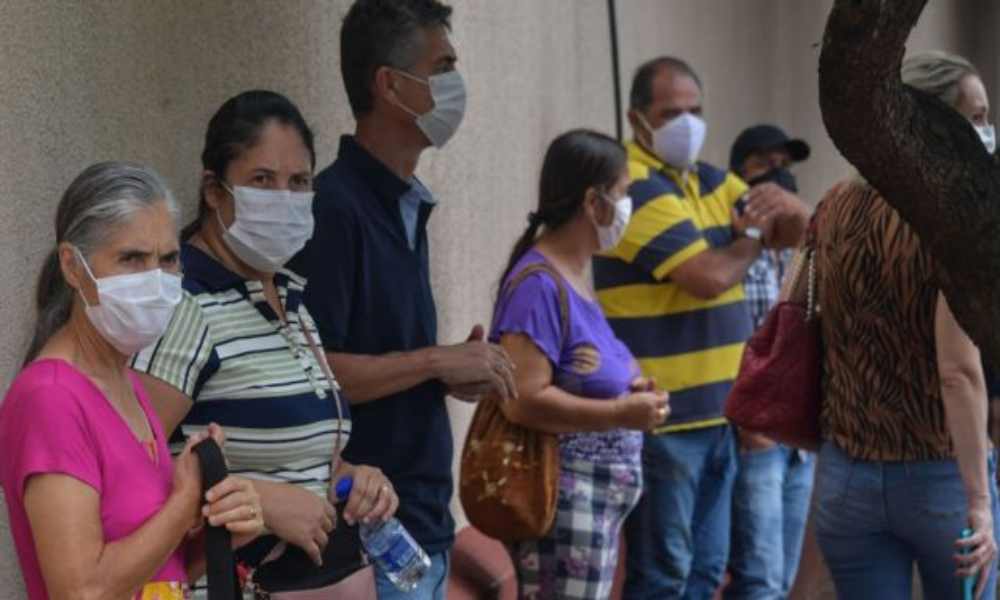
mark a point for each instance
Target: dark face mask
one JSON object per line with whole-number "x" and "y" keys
{"x": 780, "y": 176}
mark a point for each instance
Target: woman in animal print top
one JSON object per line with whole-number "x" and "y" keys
{"x": 906, "y": 464}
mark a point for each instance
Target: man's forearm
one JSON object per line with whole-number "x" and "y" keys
{"x": 789, "y": 230}
{"x": 714, "y": 272}
{"x": 369, "y": 377}
{"x": 732, "y": 263}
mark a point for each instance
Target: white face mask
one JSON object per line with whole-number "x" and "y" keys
{"x": 441, "y": 122}
{"x": 270, "y": 227}
{"x": 989, "y": 136}
{"x": 133, "y": 310}
{"x": 608, "y": 236}
{"x": 678, "y": 142}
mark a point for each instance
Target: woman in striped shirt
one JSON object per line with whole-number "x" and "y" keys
{"x": 240, "y": 348}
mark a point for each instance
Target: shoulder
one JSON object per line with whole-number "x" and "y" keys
{"x": 339, "y": 190}
{"x": 44, "y": 386}
{"x": 714, "y": 180}
{"x": 710, "y": 175}
{"x": 531, "y": 285}
{"x": 533, "y": 280}
{"x": 850, "y": 200}
{"x": 195, "y": 298}
{"x": 648, "y": 184}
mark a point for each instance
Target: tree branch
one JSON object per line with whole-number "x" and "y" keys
{"x": 924, "y": 158}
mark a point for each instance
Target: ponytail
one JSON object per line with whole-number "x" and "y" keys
{"x": 524, "y": 243}
{"x": 194, "y": 226}
{"x": 53, "y": 302}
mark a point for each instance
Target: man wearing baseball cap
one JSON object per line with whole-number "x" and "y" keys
{"x": 771, "y": 494}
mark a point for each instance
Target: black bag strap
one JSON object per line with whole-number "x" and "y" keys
{"x": 223, "y": 584}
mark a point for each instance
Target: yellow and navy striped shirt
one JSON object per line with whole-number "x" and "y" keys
{"x": 691, "y": 347}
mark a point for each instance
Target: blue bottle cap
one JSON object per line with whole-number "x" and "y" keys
{"x": 343, "y": 487}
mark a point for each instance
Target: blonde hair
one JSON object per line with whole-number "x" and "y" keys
{"x": 937, "y": 73}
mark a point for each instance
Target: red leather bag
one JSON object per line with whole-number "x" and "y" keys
{"x": 777, "y": 392}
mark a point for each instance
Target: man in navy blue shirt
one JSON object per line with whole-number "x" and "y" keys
{"x": 369, "y": 284}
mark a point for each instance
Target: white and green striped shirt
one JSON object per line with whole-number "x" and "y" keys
{"x": 255, "y": 376}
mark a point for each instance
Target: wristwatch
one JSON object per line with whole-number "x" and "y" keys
{"x": 754, "y": 233}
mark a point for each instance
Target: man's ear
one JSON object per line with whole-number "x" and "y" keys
{"x": 384, "y": 83}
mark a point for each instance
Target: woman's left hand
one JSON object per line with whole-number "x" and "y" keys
{"x": 235, "y": 504}
{"x": 372, "y": 499}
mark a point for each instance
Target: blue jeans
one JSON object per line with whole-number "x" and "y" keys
{"x": 677, "y": 538}
{"x": 433, "y": 586}
{"x": 770, "y": 505}
{"x": 874, "y": 520}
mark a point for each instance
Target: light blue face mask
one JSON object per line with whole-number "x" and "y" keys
{"x": 449, "y": 95}
{"x": 989, "y": 136}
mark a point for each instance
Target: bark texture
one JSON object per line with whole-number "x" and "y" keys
{"x": 924, "y": 158}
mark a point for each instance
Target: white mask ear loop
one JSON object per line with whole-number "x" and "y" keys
{"x": 649, "y": 130}
{"x": 218, "y": 213}
{"x": 79, "y": 257}
{"x": 399, "y": 103}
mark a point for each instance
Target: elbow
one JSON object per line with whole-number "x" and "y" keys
{"x": 708, "y": 287}
{"x": 514, "y": 412}
{"x": 962, "y": 380}
{"x": 92, "y": 590}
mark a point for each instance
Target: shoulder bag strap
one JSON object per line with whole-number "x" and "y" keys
{"x": 223, "y": 584}
{"x": 542, "y": 267}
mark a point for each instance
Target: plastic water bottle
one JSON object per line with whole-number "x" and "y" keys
{"x": 391, "y": 547}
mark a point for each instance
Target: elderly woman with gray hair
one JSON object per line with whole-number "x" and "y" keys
{"x": 906, "y": 472}
{"x": 98, "y": 509}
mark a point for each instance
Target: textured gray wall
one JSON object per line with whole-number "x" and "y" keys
{"x": 87, "y": 81}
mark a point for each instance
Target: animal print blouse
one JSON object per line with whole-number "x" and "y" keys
{"x": 877, "y": 296}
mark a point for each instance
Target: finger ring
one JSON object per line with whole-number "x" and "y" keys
{"x": 253, "y": 511}
{"x": 385, "y": 488}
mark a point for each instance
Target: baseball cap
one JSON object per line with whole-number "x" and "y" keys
{"x": 765, "y": 137}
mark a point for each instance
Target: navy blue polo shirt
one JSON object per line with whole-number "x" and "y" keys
{"x": 370, "y": 293}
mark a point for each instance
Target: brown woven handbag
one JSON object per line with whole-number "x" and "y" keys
{"x": 509, "y": 478}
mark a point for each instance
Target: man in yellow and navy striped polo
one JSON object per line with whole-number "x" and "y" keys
{"x": 673, "y": 292}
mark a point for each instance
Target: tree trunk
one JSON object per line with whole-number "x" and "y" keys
{"x": 925, "y": 159}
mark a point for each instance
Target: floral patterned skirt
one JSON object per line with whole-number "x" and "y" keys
{"x": 577, "y": 559}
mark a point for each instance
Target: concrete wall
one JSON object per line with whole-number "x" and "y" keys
{"x": 758, "y": 60}
{"x": 86, "y": 81}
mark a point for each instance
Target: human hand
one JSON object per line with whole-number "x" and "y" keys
{"x": 981, "y": 546}
{"x": 769, "y": 200}
{"x": 234, "y": 503}
{"x": 472, "y": 392}
{"x": 475, "y": 363}
{"x": 187, "y": 478}
{"x": 643, "y": 410}
{"x": 642, "y": 384}
{"x": 373, "y": 498}
{"x": 786, "y": 215}
{"x": 298, "y": 516}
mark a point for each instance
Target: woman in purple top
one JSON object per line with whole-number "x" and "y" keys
{"x": 578, "y": 381}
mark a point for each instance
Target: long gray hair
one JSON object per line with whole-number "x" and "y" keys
{"x": 102, "y": 198}
{"x": 937, "y": 73}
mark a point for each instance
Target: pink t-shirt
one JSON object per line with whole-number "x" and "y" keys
{"x": 55, "y": 420}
